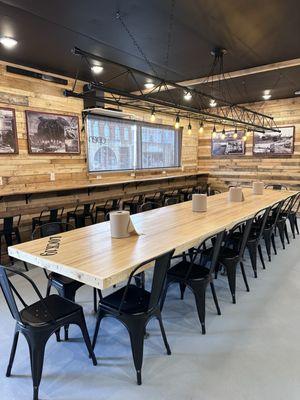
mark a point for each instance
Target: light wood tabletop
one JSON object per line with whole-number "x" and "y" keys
{"x": 91, "y": 256}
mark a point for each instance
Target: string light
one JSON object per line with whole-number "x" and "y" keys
{"x": 235, "y": 135}
{"x": 244, "y": 138}
{"x": 248, "y": 133}
{"x": 223, "y": 136}
{"x": 189, "y": 128}
{"x": 201, "y": 127}
{"x": 153, "y": 115}
{"x": 177, "y": 122}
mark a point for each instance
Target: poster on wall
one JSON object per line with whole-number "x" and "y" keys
{"x": 52, "y": 133}
{"x": 271, "y": 143}
{"x": 230, "y": 145}
{"x": 8, "y": 132}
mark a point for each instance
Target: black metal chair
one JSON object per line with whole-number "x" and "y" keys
{"x": 134, "y": 307}
{"x": 293, "y": 213}
{"x": 174, "y": 193}
{"x": 276, "y": 186}
{"x": 134, "y": 203}
{"x": 66, "y": 287}
{"x": 186, "y": 192}
{"x": 232, "y": 253}
{"x": 48, "y": 215}
{"x": 38, "y": 321}
{"x": 197, "y": 276}
{"x": 10, "y": 232}
{"x": 110, "y": 205}
{"x": 253, "y": 243}
{"x": 81, "y": 213}
{"x": 171, "y": 200}
{"x": 282, "y": 218}
{"x": 157, "y": 197}
{"x": 212, "y": 192}
{"x": 270, "y": 226}
{"x": 147, "y": 206}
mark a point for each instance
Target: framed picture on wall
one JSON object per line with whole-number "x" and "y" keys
{"x": 272, "y": 143}
{"x": 52, "y": 133}
{"x": 8, "y": 132}
{"x": 230, "y": 145}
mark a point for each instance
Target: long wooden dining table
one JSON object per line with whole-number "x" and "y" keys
{"x": 90, "y": 255}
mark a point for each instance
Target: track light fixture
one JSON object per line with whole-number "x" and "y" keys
{"x": 8, "y": 42}
{"x": 149, "y": 85}
{"x": 212, "y": 103}
{"x": 187, "y": 96}
{"x": 96, "y": 69}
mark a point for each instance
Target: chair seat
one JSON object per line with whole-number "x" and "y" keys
{"x": 37, "y": 315}
{"x": 44, "y": 219}
{"x": 180, "y": 269}
{"x": 137, "y": 300}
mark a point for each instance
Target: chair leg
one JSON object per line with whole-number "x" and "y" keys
{"x": 25, "y": 266}
{"x": 213, "y": 290}
{"x": 244, "y": 276}
{"x": 292, "y": 224}
{"x": 164, "y": 294}
{"x": 12, "y": 354}
{"x": 281, "y": 235}
{"x": 36, "y": 343}
{"x": 261, "y": 256}
{"x": 87, "y": 340}
{"x": 200, "y": 303}
{"x": 253, "y": 256}
{"x": 286, "y": 233}
{"x": 163, "y": 333}
{"x": 267, "y": 239}
{"x": 99, "y": 319}
{"x": 48, "y": 288}
{"x": 136, "y": 333}
{"x": 296, "y": 225}
{"x": 231, "y": 276}
{"x": 182, "y": 287}
{"x": 273, "y": 243}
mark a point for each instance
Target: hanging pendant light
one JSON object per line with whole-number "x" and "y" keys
{"x": 201, "y": 127}
{"x": 248, "y": 133}
{"x": 152, "y": 115}
{"x": 214, "y": 132}
{"x": 189, "y": 128}
{"x": 177, "y": 122}
{"x": 235, "y": 135}
{"x": 223, "y": 136}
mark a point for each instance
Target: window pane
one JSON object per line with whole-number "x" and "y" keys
{"x": 159, "y": 147}
{"x": 111, "y": 144}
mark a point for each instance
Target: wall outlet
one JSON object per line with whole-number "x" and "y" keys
{"x": 132, "y": 174}
{"x": 52, "y": 176}
{"x": 1, "y": 180}
{"x": 99, "y": 177}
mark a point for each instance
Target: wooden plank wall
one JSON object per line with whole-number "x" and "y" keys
{"x": 25, "y": 171}
{"x": 225, "y": 171}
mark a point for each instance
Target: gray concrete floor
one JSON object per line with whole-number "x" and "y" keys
{"x": 250, "y": 352}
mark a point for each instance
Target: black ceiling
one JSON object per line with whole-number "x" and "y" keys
{"x": 255, "y": 32}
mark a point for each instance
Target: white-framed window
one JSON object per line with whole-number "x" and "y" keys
{"x": 117, "y": 144}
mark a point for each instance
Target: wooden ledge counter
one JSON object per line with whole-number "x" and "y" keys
{"x": 91, "y": 256}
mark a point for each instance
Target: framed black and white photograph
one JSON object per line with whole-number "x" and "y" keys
{"x": 230, "y": 145}
{"x": 272, "y": 143}
{"x": 52, "y": 133}
{"x": 8, "y": 132}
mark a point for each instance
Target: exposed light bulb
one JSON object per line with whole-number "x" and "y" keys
{"x": 187, "y": 96}
{"x": 8, "y": 42}
{"x": 96, "y": 69}
{"x": 267, "y": 94}
{"x": 244, "y": 138}
{"x": 152, "y": 115}
{"x": 149, "y": 85}
{"x": 248, "y": 133}
{"x": 212, "y": 103}
{"x": 214, "y": 132}
{"x": 177, "y": 122}
{"x": 235, "y": 135}
{"x": 201, "y": 127}
{"x": 189, "y": 128}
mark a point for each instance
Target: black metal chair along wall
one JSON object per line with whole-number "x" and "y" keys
{"x": 48, "y": 215}
{"x": 38, "y": 321}
{"x": 66, "y": 287}
{"x": 196, "y": 275}
{"x": 81, "y": 213}
{"x": 134, "y": 307}
{"x": 110, "y": 205}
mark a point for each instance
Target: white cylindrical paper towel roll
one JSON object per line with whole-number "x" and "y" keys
{"x": 235, "y": 194}
{"x": 258, "y": 187}
{"x": 119, "y": 224}
{"x": 199, "y": 202}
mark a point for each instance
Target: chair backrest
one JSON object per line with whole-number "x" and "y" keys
{"x": 245, "y": 228}
{"x": 275, "y": 212}
{"x": 10, "y": 292}
{"x": 88, "y": 208}
{"x": 276, "y": 186}
{"x": 51, "y": 228}
{"x": 171, "y": 200}
{"x": 52, "y": 213}
{"x": 161, "y": 266}
{"x": 10, "y": 223}
{"x": 261, "y": 218}
{"x": 149, "y": 205}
